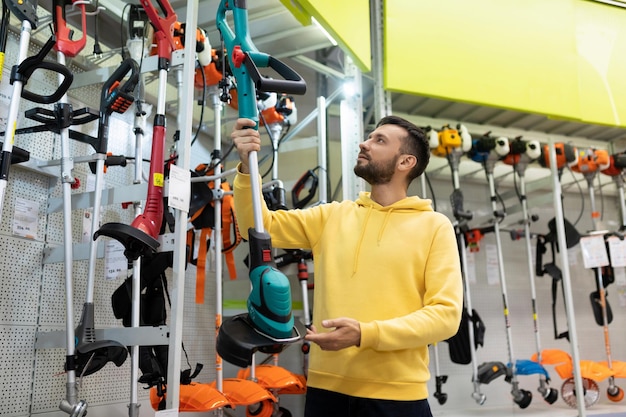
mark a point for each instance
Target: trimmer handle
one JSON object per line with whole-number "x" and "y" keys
{"x": 245, "y": 59}
{"x": 27, "y": 67}
{"x": 163, "y": 25}
{"x": 65, "y": 44}
{"x": 292, "y": 83}
{"x": 115, "y": 96}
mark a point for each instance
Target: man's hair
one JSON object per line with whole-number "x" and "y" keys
{"x": 415, "y": 143}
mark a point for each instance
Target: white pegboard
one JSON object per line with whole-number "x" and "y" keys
{"x": 107, "y": 386}
{"x": 16, "y": 365}
{"x": 27, "y": 186}
{"x": 20, "y": 280}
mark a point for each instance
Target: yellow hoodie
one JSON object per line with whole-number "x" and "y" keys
{"x": 395, "y": 269}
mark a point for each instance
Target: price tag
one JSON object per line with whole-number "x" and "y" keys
{"x": 179, "y": 192}
{"x": 26, "y": 218}
{"x": 617, "y": 250}
{"x": 594, "y": 251}
{"x": 115, "y": 263}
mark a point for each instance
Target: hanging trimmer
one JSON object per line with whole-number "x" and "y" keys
{"x": 93, "y": 354}
{"x": 26, "y": 11}
{"x": 488, "y": 150}
{"x": 521, "y": 154}
{"x": 590, "y": 162}
{"x": 140, "y": 238}
{"x": 449, "y": 143}
{"x": 269, "y": 323}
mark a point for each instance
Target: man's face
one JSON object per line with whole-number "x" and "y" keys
{"x": 379, "y": 154}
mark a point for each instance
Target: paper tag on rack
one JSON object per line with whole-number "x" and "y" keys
{"x": 179, "y": 191}
{"x": 493, "y": 270}
{"x": 594, "y": 251}
{"x": 617, "y": 251}
{"x": 26, "y": 218}
{"x": 115, "y": 262}
{"x": 470, "y": 274}
{"x": 172, "y": 412}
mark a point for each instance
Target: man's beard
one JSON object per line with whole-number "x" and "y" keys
{"x": 377, "y": 173}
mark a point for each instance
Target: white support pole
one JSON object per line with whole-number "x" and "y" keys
{"x": 382, "y": 98}
{"x": 567, "y": 282}
{"x": 180, "y": 238}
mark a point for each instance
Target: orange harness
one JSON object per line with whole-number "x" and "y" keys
{"x": 203, "y": 220}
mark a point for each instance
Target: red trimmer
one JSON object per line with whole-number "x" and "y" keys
{"x": 140, "y": 238}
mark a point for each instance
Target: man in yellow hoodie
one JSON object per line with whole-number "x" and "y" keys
{"x": 387, "y": 277}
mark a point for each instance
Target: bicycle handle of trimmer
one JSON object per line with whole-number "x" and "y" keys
{"x": 116, "y": 97}
{"x": 27, "y": 67}
{"x": 245, "y": 60}
{"x": 291, "y": 83}
{"x": 65, "y": 44}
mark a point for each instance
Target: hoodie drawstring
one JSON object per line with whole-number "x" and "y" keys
{"x": 358, "y": 248}
{"x": 382, "y": 229}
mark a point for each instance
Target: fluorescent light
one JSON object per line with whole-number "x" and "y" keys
{"x": 618, "y": 3}
{"x": 324, "y": 31}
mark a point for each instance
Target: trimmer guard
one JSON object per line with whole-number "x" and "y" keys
{"x": 194, "y": 397}
{"x": 488, "y": 371}
{"x": 238, "y": 339}
{"x": 245, "y": 392}
{"x": 595, "y": 370}
{"x": 93, "y": 356}
{"x": 618, "y": 367}
{"x": 528, "y": 367}
{"x": 276, "y": 377}
{"x": 136, "y": 242}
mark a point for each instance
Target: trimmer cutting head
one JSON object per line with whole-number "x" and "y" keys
{"x": 238, "y": 339}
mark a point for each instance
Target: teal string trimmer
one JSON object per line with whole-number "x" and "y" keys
{"x": 269, "y": 324}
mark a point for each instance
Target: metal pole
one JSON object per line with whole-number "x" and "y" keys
{"x": 567, "y": 282}
{"x": 180, "y": 238}
{"x": 138, "y": 129}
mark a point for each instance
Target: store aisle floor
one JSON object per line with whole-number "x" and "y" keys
{"x": 538, "y": 410}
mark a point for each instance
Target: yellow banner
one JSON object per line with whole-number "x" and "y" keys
{"x": 561, "y": 58}
{"x": 348, "y": 22}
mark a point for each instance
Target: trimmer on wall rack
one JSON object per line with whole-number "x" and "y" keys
{"x": 590, "y": 163}
{"x": 26, "y": 11}
{"x": 140, "y": 237}
{"x": 449, "y": 143}
{"x": 488, "y": 150}
{"x": 521, "y": 154}
{"x": 269, "y": 325}
{"x": 66, "y": 47}
{"x": 92, "y": 354}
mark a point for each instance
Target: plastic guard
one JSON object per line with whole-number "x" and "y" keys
{"x": 194, "y": 397}
{"x": 528, "y": 367}
{"x": 237, "y": 340}
{"x": 488, "y": 371}
{"x": 136, "y": 242}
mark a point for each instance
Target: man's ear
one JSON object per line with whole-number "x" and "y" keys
{"x": 407, "y": 162}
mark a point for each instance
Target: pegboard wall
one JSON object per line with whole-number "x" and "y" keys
{"x": 32, "y": 289}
